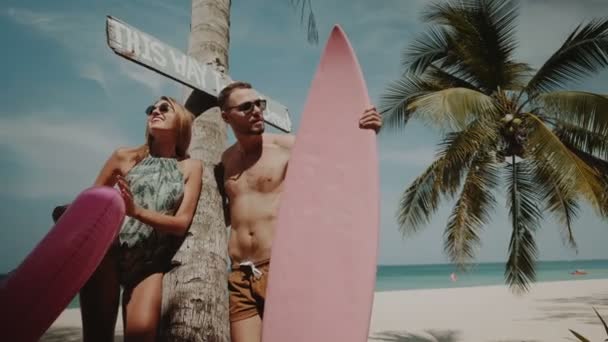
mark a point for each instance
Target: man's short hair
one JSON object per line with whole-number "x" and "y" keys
{"x": 222, "y": 98}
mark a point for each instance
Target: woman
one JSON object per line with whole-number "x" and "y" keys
{"x": 160, "y": 186}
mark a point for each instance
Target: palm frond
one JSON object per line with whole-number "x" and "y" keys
{"x": 559, "y": 197}
{"x": 448, "y": 13}
{"x": 483, "y": 32}
{"x": 419, "y": 202}
{"x": 453, "y": 108}
{"x": 575, "y": 137}
{"x": 458, "y": 149}
{"x": 495, "y": 22}
{"x": 472, "y": 210}
{"x": 600, "y": 166}
{"x": 580, "y": 337}
{"x": 523, "y": 205}
{"x": 307, "y": 14}
{"x": 516, "y": 75}
{"x": 399, "y": 95}
{"x": 601, "y": 320}
{"x": 448, "y": 80}
{"x": 431, "y": 47}
{"x": 543, "y": 144}
{"x": 584, "y": 109}
{"x": 584, "y": 53}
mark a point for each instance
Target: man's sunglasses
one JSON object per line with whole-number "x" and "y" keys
{"x": 247, "y": 107}
{"x": 162, "y": 108}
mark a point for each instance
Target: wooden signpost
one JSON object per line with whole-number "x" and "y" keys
{"x": 145, "y": 50}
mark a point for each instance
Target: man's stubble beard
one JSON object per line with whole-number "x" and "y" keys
{"x": 257, "y": 131}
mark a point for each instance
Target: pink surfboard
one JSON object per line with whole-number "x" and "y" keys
{"x": 323, "y": 261}
{"x": 35, "y": 293}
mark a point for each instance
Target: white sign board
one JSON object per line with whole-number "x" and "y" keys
{"x": 153, "y": 54}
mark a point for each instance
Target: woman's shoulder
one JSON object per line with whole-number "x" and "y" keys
{"x": 128, "y": 153}
{"x": 127, "y": 157}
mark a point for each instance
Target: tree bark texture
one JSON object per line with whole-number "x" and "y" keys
{"x": 195, "y": 294}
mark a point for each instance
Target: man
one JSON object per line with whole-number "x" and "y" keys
{"x": 253, "y": 172}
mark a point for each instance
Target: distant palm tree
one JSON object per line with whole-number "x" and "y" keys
{"x": 503, "y": 125}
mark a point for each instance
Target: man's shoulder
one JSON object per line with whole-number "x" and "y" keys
{"x": 227, "y": 152}
{"x": 283, "y": 140}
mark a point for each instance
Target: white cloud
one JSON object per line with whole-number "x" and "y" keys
{"x": 143, "y": 76}
{"x": 94, "y": 72}
{"x": 42, "y": 21}
{"x": 83, "y": 36}
{"x": 56, "y": 158}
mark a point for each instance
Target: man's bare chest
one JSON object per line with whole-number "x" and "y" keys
{"x": 264, "y": 174}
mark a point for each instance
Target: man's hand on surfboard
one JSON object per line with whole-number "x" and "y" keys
{"x": 371, "y": 119}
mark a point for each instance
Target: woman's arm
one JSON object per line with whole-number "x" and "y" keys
{"x": 179, "y": 223}
{"x": 111, "y": 169}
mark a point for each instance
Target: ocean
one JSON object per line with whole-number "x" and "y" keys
{"x": 409, "y": 277}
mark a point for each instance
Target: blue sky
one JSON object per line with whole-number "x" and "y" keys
{"x": 68, "y": 101}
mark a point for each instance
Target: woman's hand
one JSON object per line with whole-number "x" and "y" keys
{"x": 130, "y": 208}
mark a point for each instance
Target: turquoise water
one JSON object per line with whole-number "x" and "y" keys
{"x": 390, "y": 278}
{"x": 405, "y": 277}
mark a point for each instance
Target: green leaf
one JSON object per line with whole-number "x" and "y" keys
{"x": 480, "y": 40}
{"x": 305, "y": 9}
{"x": 454, "y": 108}
{"x": 584, "y": 53}
{"x": 431, "y": 47}
{"x": 458, "y": 149}
{"x": 585, "y": 110}
{"x": 558, "y": 196}
{"x": 601, "y": 169}
{"x": 399, "y": 94}
{"x": 443, "y": 177}
{"x": 578, "y": 138}
{"x": 543, "y": 144}
{"x": 579, "y": 336}
{"x": 472, "y": 210}
{"x": 447, "y": 79}
{"x": 523, "y": 203}
{"x": 602, "y": 320}
{"x": 419, "y": 202}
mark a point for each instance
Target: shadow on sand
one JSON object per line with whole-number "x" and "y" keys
{"x": 433, "y": 336}
{"x": 68, "y": 334}
{"x": 403, "y": 336}
{"x": 577, "y": 308}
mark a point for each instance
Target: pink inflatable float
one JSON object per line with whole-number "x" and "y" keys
{"x": 35, "y": 293}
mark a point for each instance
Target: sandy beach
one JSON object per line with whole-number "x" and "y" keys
{"x": 488, "y": 314}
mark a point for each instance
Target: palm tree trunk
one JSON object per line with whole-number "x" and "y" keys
{"x": 195, "y": 297}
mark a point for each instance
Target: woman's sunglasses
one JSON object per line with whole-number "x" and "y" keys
{"x": 162, "y": 108}
{"x": 247, "y": 107}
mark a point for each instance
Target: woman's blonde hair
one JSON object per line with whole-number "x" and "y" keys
{"x": 183, "y": 129}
